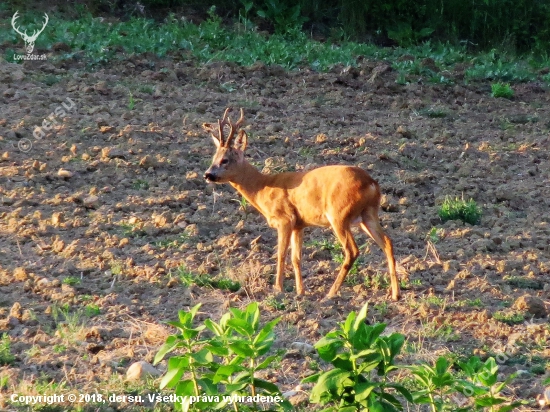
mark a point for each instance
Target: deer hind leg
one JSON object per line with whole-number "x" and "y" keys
{"x": 296, "y": 240}
{"x": 371, "y": 226}
{"x": 283, "y": 238}
{"x": 342, "y": 231}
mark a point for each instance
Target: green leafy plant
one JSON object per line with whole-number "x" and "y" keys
{"x": 6, "y": 357}
{"x": 459, "y": 209}
{"x": 71, "y": 280}
{"x": 477, "y": 389}
{"x": 131, "y": 101}
{"x": 436, "y": 385}
{"x": 189, "y": 278}
{"x": 509, "y": 317}
{"x": 285, "y": 18}
{"x": 502, "y": 90}
{"x": 362, "y": 361}
{"x": 227, "y": 361}
{"x": 482, "y": 385}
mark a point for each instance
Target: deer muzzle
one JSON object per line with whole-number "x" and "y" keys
{"x": 209, "y": 176}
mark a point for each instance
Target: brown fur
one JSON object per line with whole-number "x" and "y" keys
{"x": 330, "y": 196}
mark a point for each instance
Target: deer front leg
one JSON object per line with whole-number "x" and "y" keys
{"x": 283, "y": 238}
{"x": 296, "y": 244}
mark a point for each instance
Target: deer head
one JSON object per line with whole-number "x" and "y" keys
{"x": 228, "y": 156}
{"x": 29, "y": 40}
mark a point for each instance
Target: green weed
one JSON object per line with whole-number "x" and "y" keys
{"x": 523, "y": 282}
{"x": 509, "y": 317}
{"x": 140, "y": 184}
{"x": 71, "y": 280}
{"x": 459, "y": 209}
{"x": 6, "y": 357}
{"x": 502, "y": 90}
{"x": 189, "y": 278}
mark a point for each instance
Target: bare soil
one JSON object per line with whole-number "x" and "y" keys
{"x": 97, "y": 216}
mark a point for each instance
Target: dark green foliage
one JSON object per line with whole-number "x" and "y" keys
{"x": 516, "y": 25}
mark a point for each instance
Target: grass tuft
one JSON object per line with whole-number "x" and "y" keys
{"x": 459, "y": 209}
{"x": 502, "y": 90}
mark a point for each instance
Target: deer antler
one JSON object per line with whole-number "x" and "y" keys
{"x": 13, "y": 19}
{"x": 233, "y": 127}
{"x": 221, "y": 123}
{"x": 37, "y": 32}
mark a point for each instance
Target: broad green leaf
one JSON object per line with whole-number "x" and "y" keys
{"x": 369, "y": 363}
{"x": 363, "y": 390}
{"x": 468, "y": 389}
{"x": 364, "y": 354}
{"x": 347, "y": 326}
{"x": 312, "y": 378}
{"x": 489, "y": 401}
{"x": 392, "y": 400}
{"x": 235, "y": 387}
{"x": 491, "y": 365}
{"x": 223, "y": 320}
{"x": 440, "y": 381}
{"x": 191, "y": 334}
{"x": 187, "y": 317}
{"x": 241, "y": 326}
{"x": 226, "y": 371}
{"x": 253, "y": 315}
{"x": 214, "y": 327}
{"x": 330, "y": 381}
{"x": 203, "y": 357}
{"x": 341, "y": 361}
{"x": 268, "y": 386}
{"x": 185, "y": 388}
{"x": 441, "y": 365}
{"x": 266, "y": 362}
{"x": 171, "y": 342}
{"x": 172, "y": 377}
{"x": 395, "y": 342}
{"x": 266, "y": 331}
{"x": 486, "y": 378}
{"x": 402, "y": 390}
{"x": 242, "y": 376}
{"x": 177, "y": 325}
{"x": 328, "y": 348}
{"x": 242, "y": 348}
{"x": 361, "y": 317}
{"x": 218, "y": 350}
{"x": 208, "y": 387}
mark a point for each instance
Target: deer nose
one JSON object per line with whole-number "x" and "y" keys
{"x": 210, "y": 177}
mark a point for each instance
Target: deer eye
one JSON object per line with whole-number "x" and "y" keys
{"x": 224, "y": 161}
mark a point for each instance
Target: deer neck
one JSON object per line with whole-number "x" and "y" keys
{"x": 249, "y": 183}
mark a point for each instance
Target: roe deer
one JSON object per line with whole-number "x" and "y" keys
{"x": 335, "y": 196}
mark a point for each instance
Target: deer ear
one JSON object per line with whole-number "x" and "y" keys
{"x": 210, "y": 128}
{"x": 241, "y": 140}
